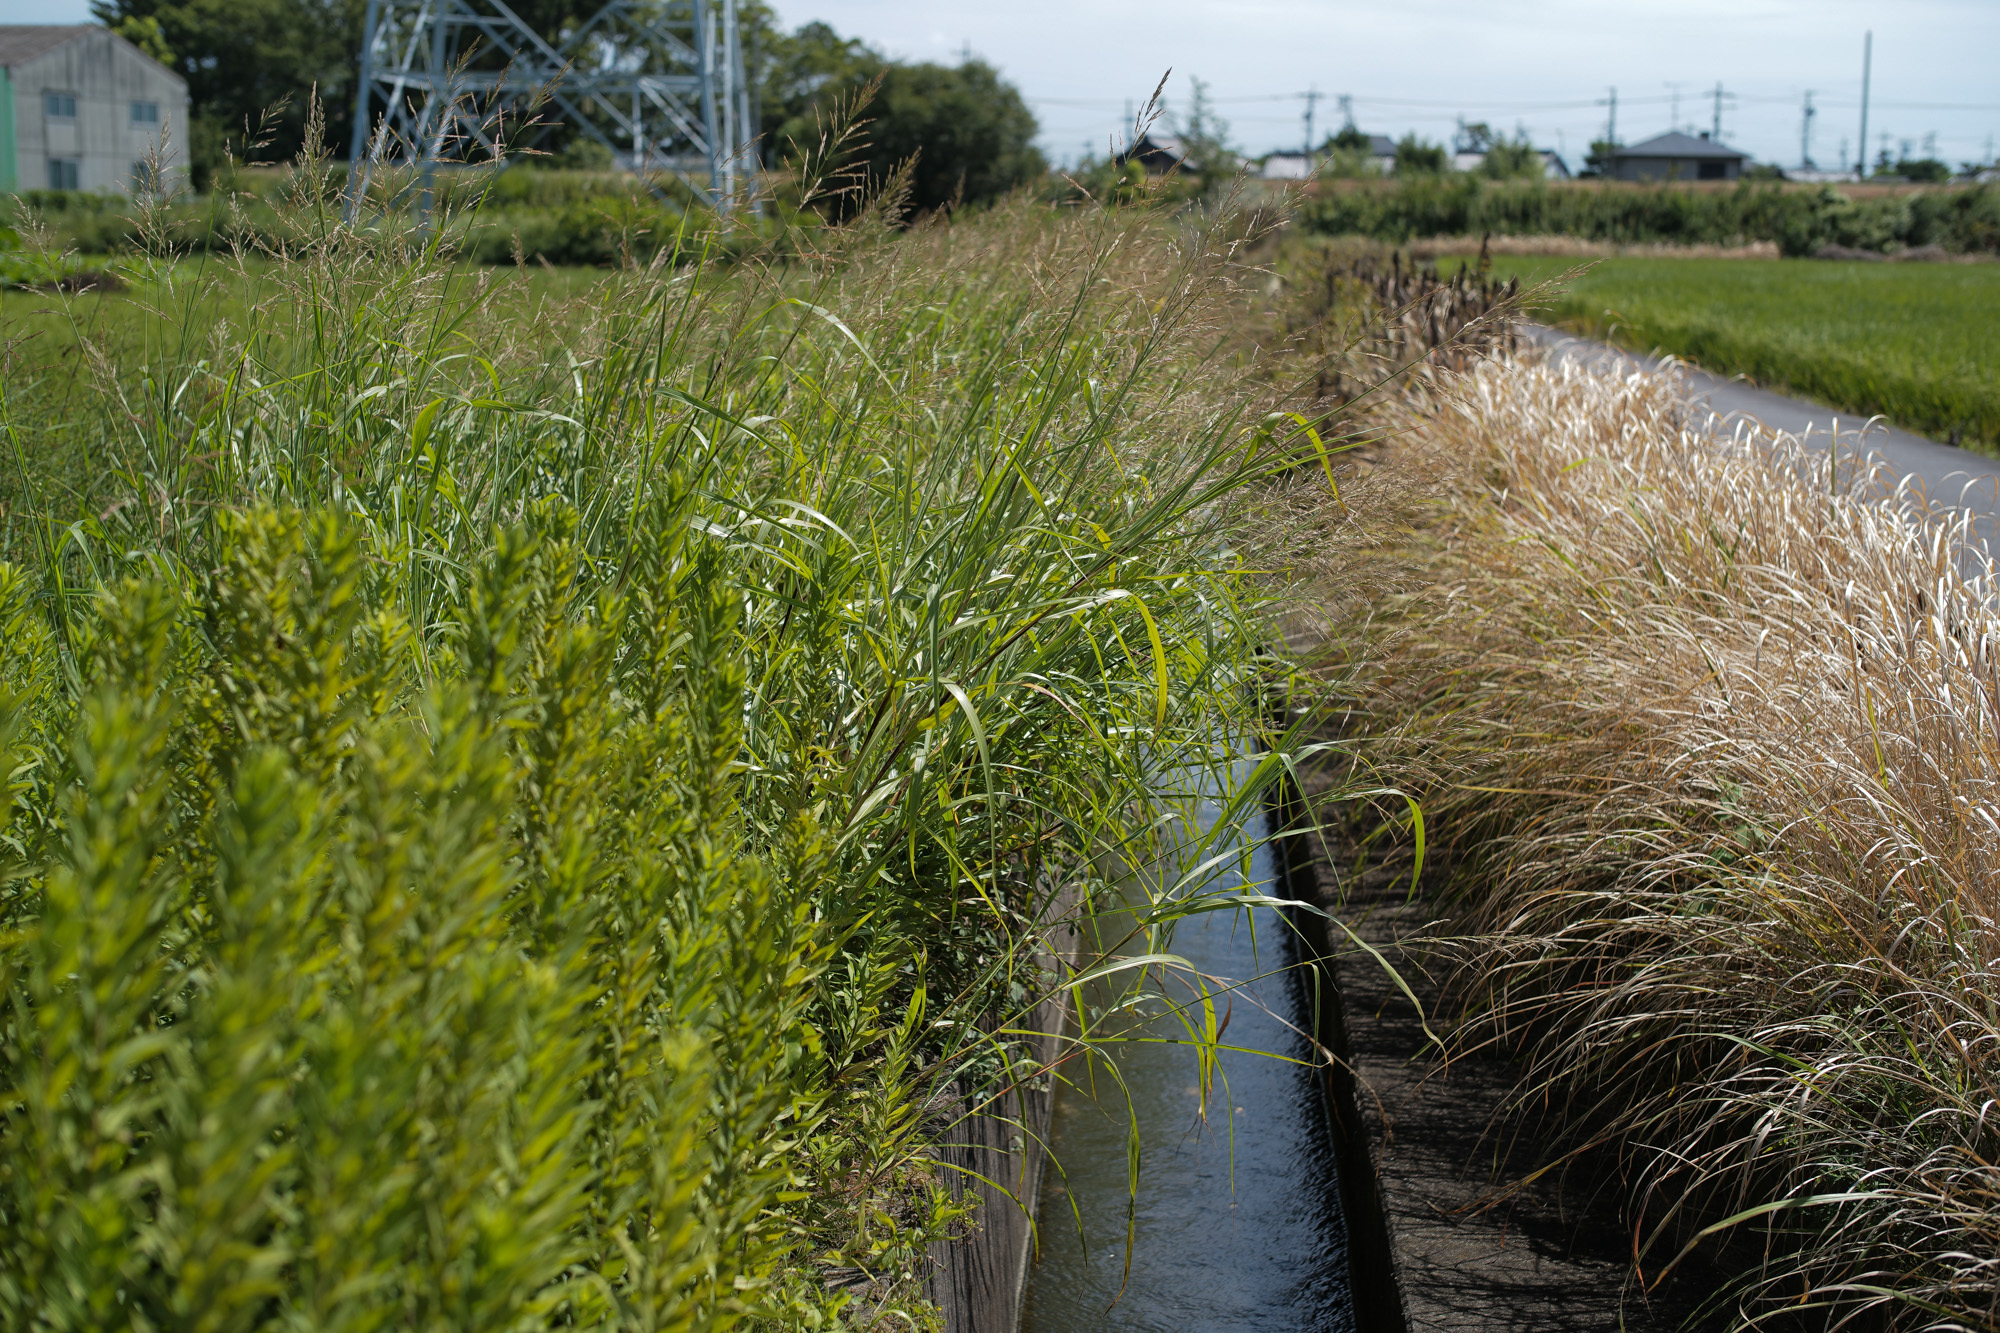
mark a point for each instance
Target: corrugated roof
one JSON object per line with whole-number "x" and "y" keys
{"x": 1675, "y": 144}
{"x": 20, "y": 42}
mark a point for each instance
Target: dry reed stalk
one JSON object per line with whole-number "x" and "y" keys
{"x": 1711, "y": 744}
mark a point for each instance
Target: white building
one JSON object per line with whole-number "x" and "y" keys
{"x": 81, "y": 108}
{"x": 1553, "y": 166}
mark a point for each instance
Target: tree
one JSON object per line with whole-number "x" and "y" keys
{"x": 1477, "y": 137}
{"x": 1598, "y": 160}
{"x": 1512, "y": 159}
{"x": 1205, "y": 136}
{"x": 1417, "y": 157}
{"x": 970, "y": 133}
{"x": 1926, "y": 170}
{"x": 251, "y": 66}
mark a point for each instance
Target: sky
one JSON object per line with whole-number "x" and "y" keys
{"x": 1418, "y": 65}
{"x": 1542, "y": 66}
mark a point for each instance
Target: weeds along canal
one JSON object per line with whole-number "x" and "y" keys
{"x": 1236, "y": 1220}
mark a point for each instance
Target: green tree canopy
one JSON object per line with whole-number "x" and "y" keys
{"x": 1418, "y": 157}
{"x": 968, "y": 129}
{"x": 251, "y": 65}
{"x": 1349, "y": 140}
{"x": 1508, "y": 159}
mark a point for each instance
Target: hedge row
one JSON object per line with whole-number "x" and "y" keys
{"x": 1958, "y": 219}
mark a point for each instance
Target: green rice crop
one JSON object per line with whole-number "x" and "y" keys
{"x": 538, "y": 808}
{"x": 1913, "y": 342}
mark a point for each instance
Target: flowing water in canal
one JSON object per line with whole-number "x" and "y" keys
{"x": 1238, "y": 1219}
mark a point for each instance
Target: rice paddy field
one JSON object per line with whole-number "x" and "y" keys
{"x": 1911, "y": 341}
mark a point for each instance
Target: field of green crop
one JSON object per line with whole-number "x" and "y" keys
{"x": 535, "y": 799}
{"x": 1914, "y": 342}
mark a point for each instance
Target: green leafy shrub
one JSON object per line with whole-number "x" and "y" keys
{"x": 343, "y": 986}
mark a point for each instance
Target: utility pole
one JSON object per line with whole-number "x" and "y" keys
{"x": 1805, "y": 133}
{"x": 1346, "y": 111}
{"x": 1611, "y": 124}
{"x": 1867, "y": 56}
{"x": 1675, "y": 88}
{"x": 1311, "y": 95}
{"x": 1715, "y": 131}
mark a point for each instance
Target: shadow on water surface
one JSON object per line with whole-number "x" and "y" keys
{"x": 1237, "y": 1219}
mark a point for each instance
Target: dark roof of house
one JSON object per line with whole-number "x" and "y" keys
{"x": 1381, "y": 145}
{"x": 1160, "y": 151}
{"x": 1675, "y": 144}
{"x": 20, "y": 42}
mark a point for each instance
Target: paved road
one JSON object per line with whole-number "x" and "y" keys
{"x": 1947, "y": 475}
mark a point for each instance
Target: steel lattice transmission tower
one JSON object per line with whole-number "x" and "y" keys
{"x": 658, "y": 82}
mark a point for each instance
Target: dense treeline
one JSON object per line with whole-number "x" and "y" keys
{"x": 1800, "y": 222}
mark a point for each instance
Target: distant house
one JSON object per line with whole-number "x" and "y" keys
{"x": 1286, "y": 167}
{"x": 1674, "y": 156}
{"x": 1379, "y": 155}
{"x": 1159, "y": 153}
{"x": 81, "y": 108}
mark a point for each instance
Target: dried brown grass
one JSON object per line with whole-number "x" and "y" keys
{"x": 1710, "y": 744}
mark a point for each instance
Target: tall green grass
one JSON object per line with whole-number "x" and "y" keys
{"x": 543, "y": 813}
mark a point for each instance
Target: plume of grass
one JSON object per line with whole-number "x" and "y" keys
{"x": 1707, "y": 738}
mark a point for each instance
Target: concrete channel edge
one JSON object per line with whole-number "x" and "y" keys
{"x": 1375, "y": 1274}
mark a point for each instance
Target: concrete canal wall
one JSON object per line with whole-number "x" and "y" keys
{"x": 992, "y": 1154}
{"x": 1455, "y": 1225}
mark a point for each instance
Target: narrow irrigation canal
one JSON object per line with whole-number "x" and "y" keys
{"x": 1238, "y": 1222}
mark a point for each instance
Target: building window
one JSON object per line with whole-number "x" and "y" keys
{"x": 59, "y": 106}
{"x": 63, "y": 173}
{"x": 145, "y": 113}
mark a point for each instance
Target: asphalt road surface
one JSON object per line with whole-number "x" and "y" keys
{"x": 1947, "y": 475}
